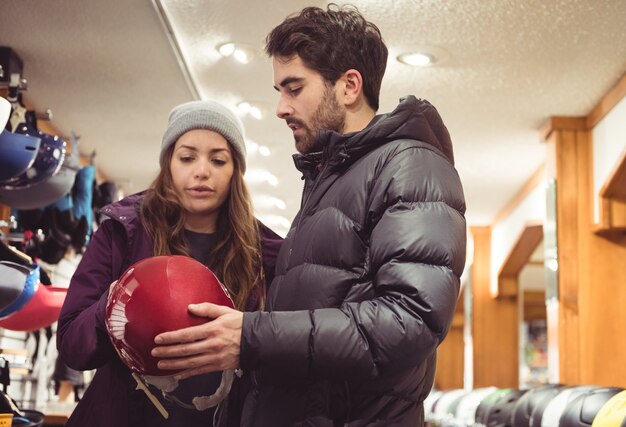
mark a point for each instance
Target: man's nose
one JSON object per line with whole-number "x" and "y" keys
{"x": 283, "y": 109}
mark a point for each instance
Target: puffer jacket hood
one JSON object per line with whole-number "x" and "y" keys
{"x": 413, "y": 118}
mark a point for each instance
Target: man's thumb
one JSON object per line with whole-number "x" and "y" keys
{"x": 207, "y": 309}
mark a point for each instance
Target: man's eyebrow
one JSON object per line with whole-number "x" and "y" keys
{"x": 288, "y": 80}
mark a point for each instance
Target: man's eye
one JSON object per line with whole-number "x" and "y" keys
{"x": 295, "y": 91}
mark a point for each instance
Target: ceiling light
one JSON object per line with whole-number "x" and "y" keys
{"x": 264, "y": 151}
{"x": 273, "y": 221}
{"x": 552, "y": 264}
{"x": 257, "y": 176}
{"x": 244, "y": 107}
{"x": 226, "y": 49}
{"x": 416, "y": 59}
{"x": 262, "y": 201}
{"x": 255, "y": 110}
{"x": 251, "y": 146}
{"x": 242, "y": 53}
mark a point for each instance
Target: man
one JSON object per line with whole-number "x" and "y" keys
{"x": 368, "y": 276}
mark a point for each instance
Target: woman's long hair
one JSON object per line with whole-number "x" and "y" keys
{"x": 236, "y": 255}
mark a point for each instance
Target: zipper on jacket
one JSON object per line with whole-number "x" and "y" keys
{"x": 306, "y": 196}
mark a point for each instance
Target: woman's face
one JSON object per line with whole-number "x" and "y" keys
{"x": 202, "y": 167}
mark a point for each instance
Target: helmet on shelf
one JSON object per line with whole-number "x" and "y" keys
{"x": 46, "y": 190}
{"x": 48, "y": 160}
{"x": 486, "y": 404}
{"x": 582, "y": 411}
{"x": 41, "y": 311}
{"x": 529, "y": 402}
{"x": 557, "y": 405}
{"x": 500, "y": 414}
{"x": 17, "y": 154}
{"x": 18, "y": 284}
{"x": 613, "y": 412}
{"x": 466, "y": 411}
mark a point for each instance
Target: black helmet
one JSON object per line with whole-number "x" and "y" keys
{"x": 581, "y": 411}
{"x": 613, "y": 412}
{"x": 500, "y": 414}
{"x": 484, "y": 408}
{"x": 522, "y": 413}
{"x": 557, "y": 405}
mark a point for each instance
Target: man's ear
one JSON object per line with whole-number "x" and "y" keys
{"x": 352, "y": 87}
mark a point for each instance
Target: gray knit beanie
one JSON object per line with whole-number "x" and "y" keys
{"x": 209, "y": 115}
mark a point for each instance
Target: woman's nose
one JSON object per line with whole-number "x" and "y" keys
{"x": 202, "y": 169}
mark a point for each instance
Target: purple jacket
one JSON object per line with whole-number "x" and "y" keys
{"x": 82, "y": 339}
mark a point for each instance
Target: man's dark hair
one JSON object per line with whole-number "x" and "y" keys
{"x": 331, "y": 42}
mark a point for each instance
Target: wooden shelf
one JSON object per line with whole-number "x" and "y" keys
{"x": 55, "y": 419}
{"x": 615, "y": 187}
{"x": 613, "y": 203}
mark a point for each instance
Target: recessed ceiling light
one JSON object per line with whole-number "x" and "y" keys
{"x": 226, "y": 49}
{"x": 266, "y": 202}
{"x": 260, "y": 176}
{"x": 255, "y": 109}
{"x": 416, "y": 59}
{"x": 264, "y": 151}
{"x": 242, "y": 53}
{"x": 252, "y": 148}
{"x": 272, "y": 221}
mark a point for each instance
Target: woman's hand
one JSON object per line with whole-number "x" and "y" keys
{"x": 213, "y": 346}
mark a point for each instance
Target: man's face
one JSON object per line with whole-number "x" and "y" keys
{"x": 307, "y": 103}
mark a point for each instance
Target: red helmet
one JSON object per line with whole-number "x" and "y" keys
{"x": 151, "y": 297}
{"x": 41, "y": 311}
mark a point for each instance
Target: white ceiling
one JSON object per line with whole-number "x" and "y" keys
{"x": 109, "y": 73}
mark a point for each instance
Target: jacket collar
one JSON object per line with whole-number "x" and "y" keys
{"x": 413, "y": 118}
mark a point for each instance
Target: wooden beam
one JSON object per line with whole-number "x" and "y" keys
{"x": 527, "y": 242}
{"x": 536, "y": 178}
{"x": 607, "y": 103}
{"x": 615, "y": 185}
{"x": 562, "y": 123}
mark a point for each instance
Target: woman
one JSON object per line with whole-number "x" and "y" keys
{"x": 198, "y": 206}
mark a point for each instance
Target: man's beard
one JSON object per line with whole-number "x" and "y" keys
{"x": 328, "y": 116}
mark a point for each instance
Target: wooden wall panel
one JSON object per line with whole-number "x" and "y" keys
{"x": 450, "y": 356}
{"x": 534, "y": 306}
{"x": 603, "y": 315}
{"x": 592, "y": 274}
{"x": 494, "y": 324}
{"x": 568, "y": 155}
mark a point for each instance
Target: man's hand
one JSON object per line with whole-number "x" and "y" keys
{"x": 213, "y": 346}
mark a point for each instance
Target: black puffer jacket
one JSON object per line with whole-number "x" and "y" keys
{"x": 366, "y": 281}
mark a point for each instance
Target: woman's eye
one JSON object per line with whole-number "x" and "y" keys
{"x": 185, "y": 159}
{"x": 219, "y": 162}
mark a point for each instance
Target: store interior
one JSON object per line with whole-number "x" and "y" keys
{"x": 533, "y": 95}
